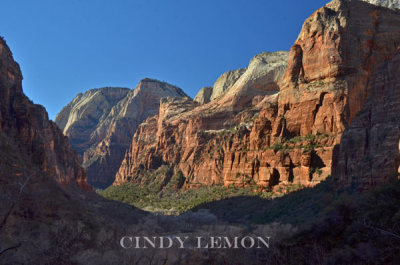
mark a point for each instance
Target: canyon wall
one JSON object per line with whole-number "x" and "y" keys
{"x": 274, "y": 125}
{"x": 48, "y": 212}
{"x": 368, "y": 154}
{"x": 25, "y": 126}
{"x": 101, "y": 122}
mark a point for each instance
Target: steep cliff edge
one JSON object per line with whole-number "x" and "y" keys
{"x": 368, "y": 154}
{"x": 80, "y": 119}
{"x": 282, "y": 129}
{"x": 193, "y": 139}
{"x": 26, "y": 125}
{"x": 47, "y": 216}
{"x": 101, "y": 122}
{"x": 337, "y": 51}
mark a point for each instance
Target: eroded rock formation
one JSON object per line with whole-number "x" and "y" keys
{"x": 194, "y": 139}
{"x": 221, "y": 86}
{"x": 48, "y": 213}
{"x": 80, "y": 119}
{"x": 270, "y": 127}
{"x": 101, "y": 122}
{"x": 204, "y": 95}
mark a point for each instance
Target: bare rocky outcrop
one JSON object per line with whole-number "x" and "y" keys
{"x": 195, "y": 139}
{"x": 368, "y": 154}
{"x": 268, "y": 127}
{"x": 338, "y": 49}
{"x": 204, "y": 95}
{"x": 101, "y": 122}
{"x": 259, "y": 78}
{"x": 48, "y": 212}
{"x": 27, "y": 126}
{"x": 221, "y": 86}
{"x": 80, "y": 119}
{"x": 225, "y": 82}
{"x": 392, "y": 4}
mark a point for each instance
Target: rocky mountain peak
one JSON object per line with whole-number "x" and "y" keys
{"x": 11, "y": 74}
{"x": 204, "y": 95}
{"x": 161, "y": 86}
{"x": 88, "y": 108}
{"x": 225, "y": 82}
{"x": 262, "y": 75}
{"x": 101, "y": 122}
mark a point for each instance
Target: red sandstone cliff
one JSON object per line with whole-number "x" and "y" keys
{"x": 101, "y": 122}
{"x": 252, "y": 134}
{"x": 25, "y": 126}
{"x": 41, "y": 221}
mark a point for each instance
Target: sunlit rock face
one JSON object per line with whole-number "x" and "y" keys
{"x": 204, "y": 95}
{"x": 101, "y": 122}
{"x": 225, "y": 82}
{"x": 259, "y": 78}
{"x": 280, "y": 120}
{"x": 392, "y": 4}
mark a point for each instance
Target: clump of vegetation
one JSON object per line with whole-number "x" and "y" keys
{"x": 332, "y": 226}
{"x": 172, "y": 200}
{"x": 90, "y": 161}
{"x": 177, "y": 181}
{"x": 316, "y": 170}
{"x": 280, "y": 147}
{"x": 309, "y": 143}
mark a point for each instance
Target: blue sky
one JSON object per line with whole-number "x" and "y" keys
{"x": 67, "y": 47}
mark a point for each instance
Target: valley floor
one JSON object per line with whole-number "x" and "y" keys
{"x": 308, "y": 226}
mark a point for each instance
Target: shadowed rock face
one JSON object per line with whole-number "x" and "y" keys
{"x": 368, "y": 154}
{"x": 101, "y": 122}
{"x": 26, "y": 126}
{"x": 48, "y": 213}
{"x": 269, "y": 128}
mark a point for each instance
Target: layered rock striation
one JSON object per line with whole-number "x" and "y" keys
{"x": 198, "y": 140}
{"x": 101, "y": 122}
{"x": 221, "y": 86}
{"x": 80, "y": 119}
{"x": 275, "y": 124}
